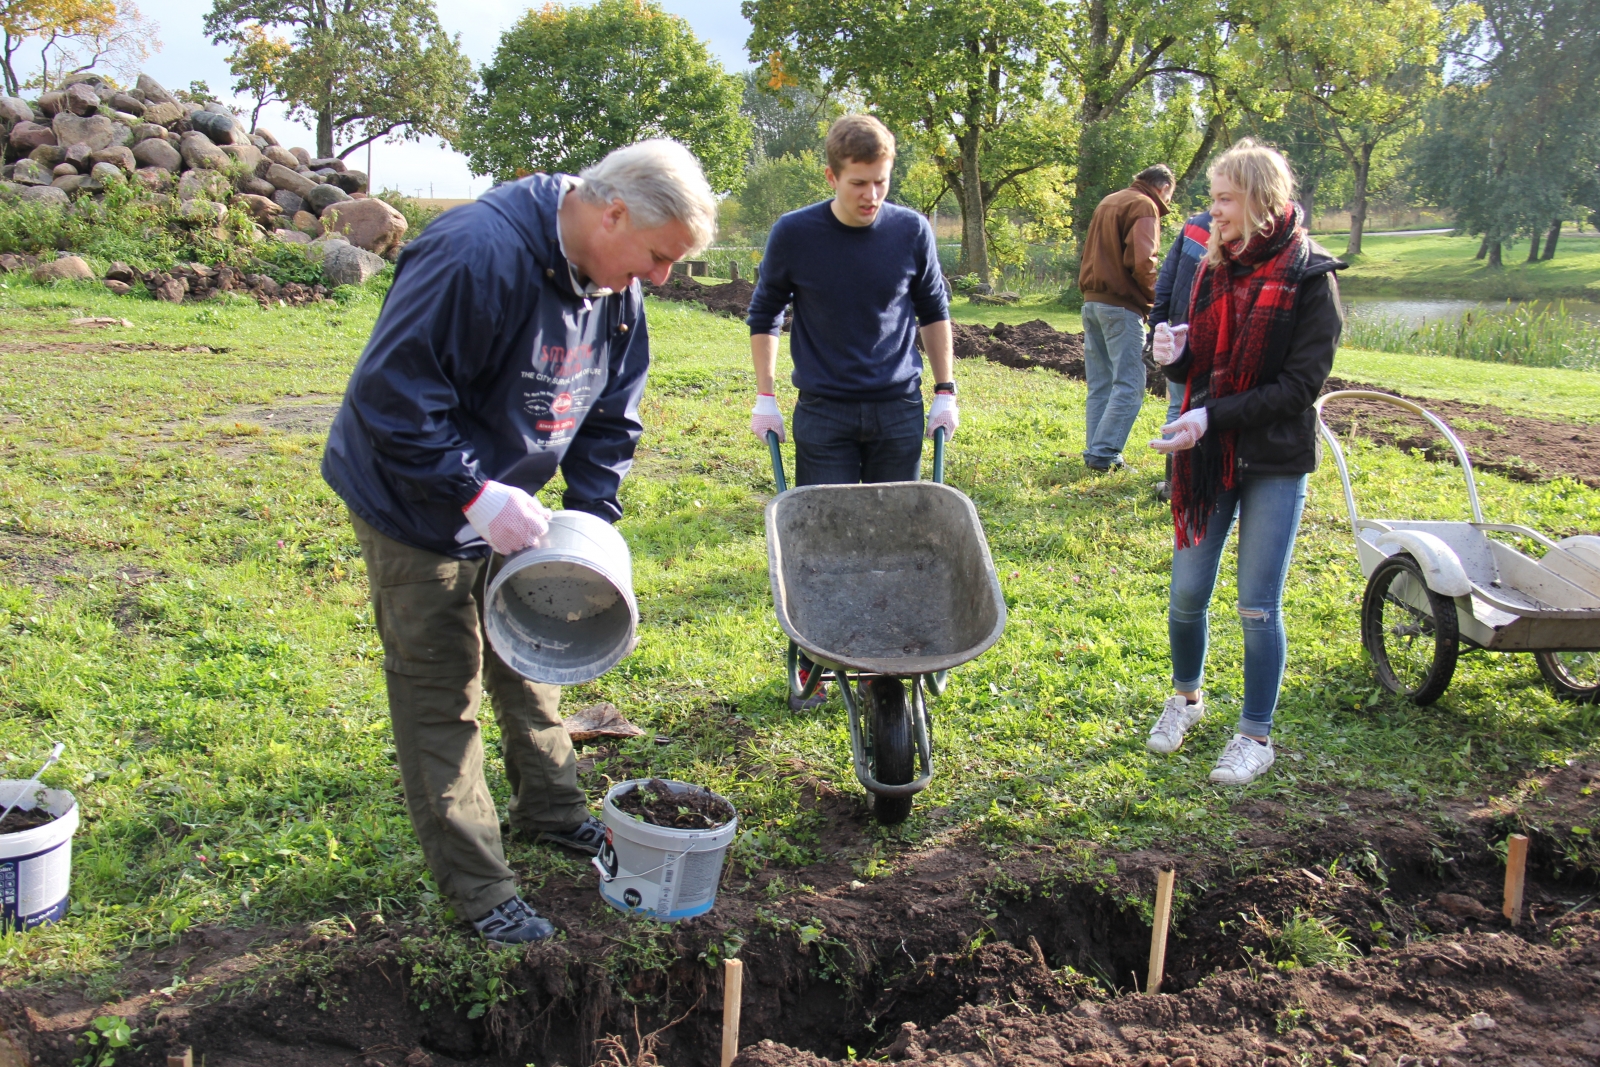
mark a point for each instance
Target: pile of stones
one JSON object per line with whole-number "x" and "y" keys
{"x": 186, "y": 281}
{"x": 77, "y": 140}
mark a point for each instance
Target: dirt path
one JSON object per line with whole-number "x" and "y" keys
{"x": 959, "y": 959}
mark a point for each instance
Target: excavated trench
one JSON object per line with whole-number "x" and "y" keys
{"x": 957, "y": 948}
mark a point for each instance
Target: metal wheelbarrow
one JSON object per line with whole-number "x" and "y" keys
{"x": 1435, "y": 586}
{"x": 879, "y": 585}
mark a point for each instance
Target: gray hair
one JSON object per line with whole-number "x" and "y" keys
{"x": 660, "y": 181}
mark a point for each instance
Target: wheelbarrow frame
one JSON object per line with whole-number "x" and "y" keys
{"x": 1504, "y": 600}
{"x": 840, "y": 670}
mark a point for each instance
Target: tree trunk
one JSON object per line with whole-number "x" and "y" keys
{"x": 324, "y": 133}
{"x": 1495, "y": 260}
{"x": 1533, "y": 247}
{"x": 1361, "y": 167}
{"x": 1483, "y": 247}
{"x": 974, "y": 245}
{"x": 1308, "y": 202}
{"x": 1550, "y": 240}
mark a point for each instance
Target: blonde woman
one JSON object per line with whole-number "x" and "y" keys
{"x": 1264, "y": 320}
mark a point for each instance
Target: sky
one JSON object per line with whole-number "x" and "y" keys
{"x": 428, "y": 168}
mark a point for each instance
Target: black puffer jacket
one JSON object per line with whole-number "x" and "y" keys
{"x": 1277, "y": 426}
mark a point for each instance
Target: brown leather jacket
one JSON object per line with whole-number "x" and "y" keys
{"x": 1121, "y": 251}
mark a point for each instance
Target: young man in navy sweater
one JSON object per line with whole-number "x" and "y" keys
{"x": 864, "y": 278}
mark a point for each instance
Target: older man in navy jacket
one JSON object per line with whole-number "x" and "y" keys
{"x": 512, "y": 344}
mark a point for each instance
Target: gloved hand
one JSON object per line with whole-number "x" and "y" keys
{"x": 944, "y": 413}
{"x": 508, "y": 518}
{"x": 1166, "y": 348}
{"x": 765, "y": 416}
{"x": 1186, "y": 431}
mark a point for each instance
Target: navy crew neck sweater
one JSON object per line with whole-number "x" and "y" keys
{"x": 859, "y": 295}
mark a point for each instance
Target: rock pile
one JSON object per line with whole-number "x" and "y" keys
{"x": 187, "y": 281}
{"x": 77, "y": 140}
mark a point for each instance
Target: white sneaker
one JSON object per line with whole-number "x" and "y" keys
{"x": 1243, "y": 761}
{"x": 1176, "y": 718}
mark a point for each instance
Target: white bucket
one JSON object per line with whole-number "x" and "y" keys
{"x": 658, "y": 871}
{"x": 564, "y": 612}
{"x": 36, "y": 865}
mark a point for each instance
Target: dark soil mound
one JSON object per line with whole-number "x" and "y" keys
{"x": 1034, "y": 344}
{"x": 730, "y": 298}
{"x": 658, "y": 804}
{"x": 1516, "y": 446}
{"x": 16, "y": 821}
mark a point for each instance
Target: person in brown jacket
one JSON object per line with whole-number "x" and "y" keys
{"x": 1118, "y": 279}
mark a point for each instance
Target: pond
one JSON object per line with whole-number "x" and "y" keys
{"x": 1414, "y": 311}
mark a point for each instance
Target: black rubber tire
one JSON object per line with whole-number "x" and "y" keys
{"x": 1415, "y": 654}
{"x": 894, "y": 757}
{"x": 1573, "y": 676}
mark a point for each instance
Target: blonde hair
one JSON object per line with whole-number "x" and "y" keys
{"x": 1263, "y": 176}
{"x": 661, "y": 181}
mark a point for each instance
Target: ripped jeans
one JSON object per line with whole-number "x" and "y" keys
{"x": 1268, "y": 507}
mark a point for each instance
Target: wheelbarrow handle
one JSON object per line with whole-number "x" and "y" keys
{"x": 783, "y": 484}
{"x": 777, "y": 462}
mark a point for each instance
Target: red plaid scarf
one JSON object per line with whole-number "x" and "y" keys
{"x": 1229, "y": 347}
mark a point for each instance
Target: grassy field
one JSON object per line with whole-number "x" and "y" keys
{"x": 182, "y": 602}
{"x": 1438, "y": 265}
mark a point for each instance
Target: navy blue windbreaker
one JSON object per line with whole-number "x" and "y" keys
{"x": 486, "y": 364}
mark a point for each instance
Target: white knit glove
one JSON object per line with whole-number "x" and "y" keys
{"x": 1167, "y": 346}
{"x": 1186, "y": 431}
{"x": 508, "y": 518}
{"x": 944, "y": 413}
{"x": 765, "y": 416}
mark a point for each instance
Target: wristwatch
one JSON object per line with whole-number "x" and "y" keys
{"x": 947, "y": 388}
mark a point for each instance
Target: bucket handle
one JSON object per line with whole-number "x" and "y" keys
{"x": 610, "y": 874}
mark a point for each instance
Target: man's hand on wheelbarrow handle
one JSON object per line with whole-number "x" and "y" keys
{"x": 944, "y": 412}
{"x": 765, "y": 417}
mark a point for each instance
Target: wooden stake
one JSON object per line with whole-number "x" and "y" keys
{"x": 181, "y": 1059}
{"x": 1158, "y": 930}
{"x": 732, "y": 990}
{"x": 1516, "y": 868}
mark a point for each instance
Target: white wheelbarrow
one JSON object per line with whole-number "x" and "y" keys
{"x": 1434, "y": 586}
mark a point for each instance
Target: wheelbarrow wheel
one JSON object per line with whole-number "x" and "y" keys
{"x": 893, "y": 751}
{"x": 1573, "y": 676}
{"x": 1414, "y": 650}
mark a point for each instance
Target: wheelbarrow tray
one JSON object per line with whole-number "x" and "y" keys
{"x": 892, "y": 578}
{"x": 1515, "y": 603}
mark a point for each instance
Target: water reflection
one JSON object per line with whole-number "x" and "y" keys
{"x": 1414, "y": 311}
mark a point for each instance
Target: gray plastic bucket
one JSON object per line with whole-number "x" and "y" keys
{"x": 36, "y": 865}
{"x": 563, "y": 612}
{"x": 660, "y": 872}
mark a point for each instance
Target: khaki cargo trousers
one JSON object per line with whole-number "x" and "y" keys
{"x": 429, "y": 610}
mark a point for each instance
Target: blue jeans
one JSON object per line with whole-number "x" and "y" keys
{"x": 848, "y": 442}
{"x": 1113, "y": 338}
{"x": 1175, "y": 391}
{"x": 1269, "y": 508}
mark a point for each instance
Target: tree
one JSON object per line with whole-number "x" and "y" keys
{"x": 569, "y": 84}
{"x": 257, "y": 64}
{"x": 787, "y": 121}
{"x": 1367, "y": 69}
{"x": 1513, "y": 144}
{"x": 775, "y": 186}
{"x": 47, "y": 21}
{"x": 360, "y": 70}
{"x": 971, "y": 78}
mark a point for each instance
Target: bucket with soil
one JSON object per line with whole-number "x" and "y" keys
{"x": 665, "y": 842}
{"x": 35, "y": 854}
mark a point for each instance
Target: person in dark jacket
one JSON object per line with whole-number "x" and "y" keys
{"x": 1264, "y": 323}
{"x": 1173, "y": 287}
{"x": 512, "y": 344}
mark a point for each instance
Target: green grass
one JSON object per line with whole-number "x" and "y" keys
{"x": 1531, "y": 334}
{"x": 1540, "y": 391}
{"x": 183, "y": 603}
{"x": 1438, "y": 265}
{"x": 1031, "y": 306}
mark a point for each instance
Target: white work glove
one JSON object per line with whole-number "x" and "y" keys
{"x": 1186, "y": 431}
{"x": 508, "y": 518}
{"x": 944, "y": 413}
{"x": 1167, "y": 346}
{"x": 765, "y": 416}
